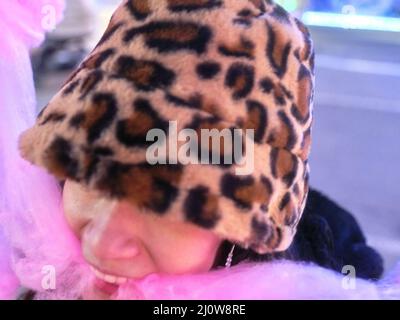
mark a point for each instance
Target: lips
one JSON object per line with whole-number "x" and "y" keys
{"x": 105, "y": 289}
{"x": 107, "y": 285}
{"x": 108, "y": 278}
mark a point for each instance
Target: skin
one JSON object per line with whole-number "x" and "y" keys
{"x": 118, "y": 239}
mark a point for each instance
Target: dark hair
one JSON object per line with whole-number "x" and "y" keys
{"x": 327, "y": 236}
{"x": 313, "y": 243}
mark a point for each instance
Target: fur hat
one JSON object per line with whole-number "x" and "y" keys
{"x": 243, "y": 64}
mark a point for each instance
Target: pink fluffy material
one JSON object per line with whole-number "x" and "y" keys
{"x": 35, "y": 235}
{"x": 22, "y": 25}
{"x": 27, "y": 20}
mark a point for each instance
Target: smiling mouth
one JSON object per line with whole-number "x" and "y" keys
{"x": 108, "y": 278}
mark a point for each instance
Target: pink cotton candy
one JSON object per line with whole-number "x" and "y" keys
{"x": 254, "y": 281}
{"x": 27, "y": 20}
{"x": 8, "y": 280}
{"x": 23, "y": 189}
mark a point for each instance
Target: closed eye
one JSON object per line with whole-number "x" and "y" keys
{"x": 61, "y": 184}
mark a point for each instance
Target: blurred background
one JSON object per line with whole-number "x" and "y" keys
{"x": 355, "y": 156}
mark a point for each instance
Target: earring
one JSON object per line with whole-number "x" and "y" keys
{"x": 229, "y": 258}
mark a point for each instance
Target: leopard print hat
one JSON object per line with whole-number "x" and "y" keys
{"x": 205, "y": 64}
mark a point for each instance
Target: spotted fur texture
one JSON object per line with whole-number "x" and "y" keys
{"x": 205, "y": 64}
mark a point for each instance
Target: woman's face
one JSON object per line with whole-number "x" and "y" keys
{"x": 120, "y": 242}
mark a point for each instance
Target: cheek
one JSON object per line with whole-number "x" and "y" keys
{"x": 198, "y": 257}
{"x": 190, "y": 252}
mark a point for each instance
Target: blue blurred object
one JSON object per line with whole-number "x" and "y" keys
{"x": 387, "y": 8}
{"x": 351, "y": 21}
{"x": 377, "y": 15}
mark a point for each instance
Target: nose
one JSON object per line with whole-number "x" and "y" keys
{"x": 108, "y": 237}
